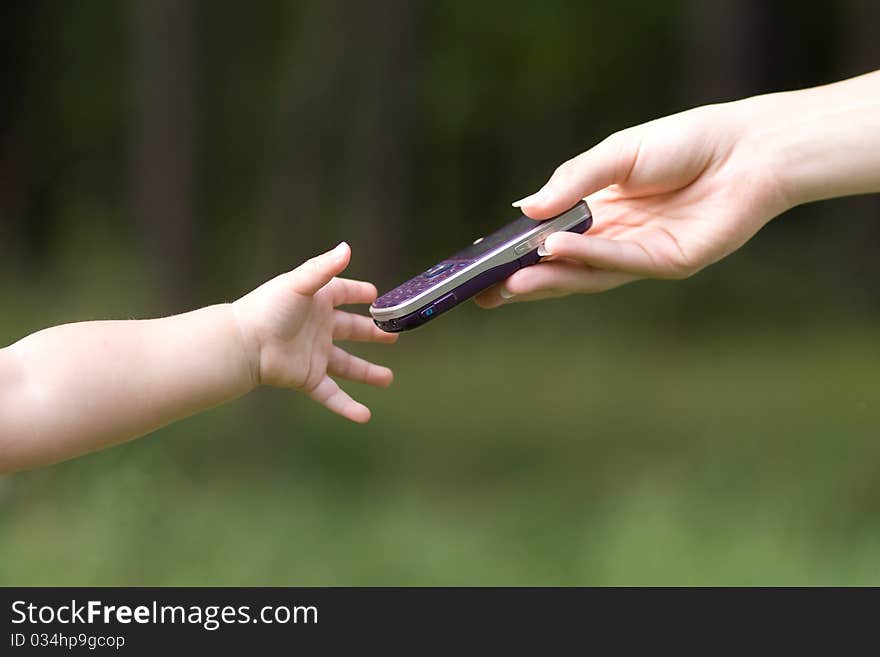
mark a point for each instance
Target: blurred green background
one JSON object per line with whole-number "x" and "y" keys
{"x": 164, "y": 155}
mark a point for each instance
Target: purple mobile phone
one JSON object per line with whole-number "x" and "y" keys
{"x": 487, "y": 261}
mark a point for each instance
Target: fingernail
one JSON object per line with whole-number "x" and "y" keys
{"x": 505, "y": 293}
{"x": 339, "y": 249}
{"x": 528, "y": 200}
{"x": 546, "y": 248}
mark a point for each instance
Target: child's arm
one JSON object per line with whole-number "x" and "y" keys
{"x": 72, "y": 389}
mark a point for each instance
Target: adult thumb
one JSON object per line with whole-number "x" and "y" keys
{"x": 608, "y": 162}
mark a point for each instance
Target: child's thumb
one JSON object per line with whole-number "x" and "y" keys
{"x": 314, "y": 274}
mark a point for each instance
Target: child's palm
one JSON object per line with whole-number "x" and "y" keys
{"x": 292, "y": 322}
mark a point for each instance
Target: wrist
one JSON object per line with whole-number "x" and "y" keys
{"x": 793, "y": 145}
{"x": 821, "y": 142}
{"x": 772, "y": 140}
{"x": 248, "y": 344}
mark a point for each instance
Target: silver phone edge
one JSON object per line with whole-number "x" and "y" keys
{"x": 501, "y": 255}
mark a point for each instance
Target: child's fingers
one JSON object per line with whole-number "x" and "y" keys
{"x": 314, "y": 274}
{"x": 348, "y": 326}
{"x": 346, "y": 290}
{"x": 337, "y": 400}
{"x": 356, "y": 369}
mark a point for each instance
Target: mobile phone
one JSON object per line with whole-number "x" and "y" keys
{"x": 489, "y": 260}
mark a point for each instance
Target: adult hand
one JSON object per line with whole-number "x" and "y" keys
{"x": 674, "y": 195}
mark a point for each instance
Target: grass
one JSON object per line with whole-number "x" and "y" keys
{"x": 541, "y": 454}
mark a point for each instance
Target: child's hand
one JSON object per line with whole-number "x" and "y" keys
{"x": 72, "y": 389}
{"x": 289, "y": 324}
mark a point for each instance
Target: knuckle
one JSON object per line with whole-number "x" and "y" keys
{"x": 565, "y": 170}
{"x": 622, "y": 147}
{"x": 624, "y": 139}
{"x": 680, "y": 268}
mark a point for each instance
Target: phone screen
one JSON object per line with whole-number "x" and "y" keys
{"x": 492, "y": 240}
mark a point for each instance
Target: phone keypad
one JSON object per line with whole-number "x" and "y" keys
{"x": 420, "y": 283}
{"x": 436, "y": 270}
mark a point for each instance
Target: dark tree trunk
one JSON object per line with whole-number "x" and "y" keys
{"x": 728, "y": 46}
{"x": 342, "y": 154}
{"x": 379, "y": 159}
{"x": 297, "y": 199}
{"x": 15, "y": 163}
{"x": 860, "y": 54}
{"x": 163, "y": 146}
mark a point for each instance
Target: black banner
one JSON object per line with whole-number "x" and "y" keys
{"x": 322, "y": 620}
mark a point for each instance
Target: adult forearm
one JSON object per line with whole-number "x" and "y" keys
{"x": 79, "y": 387}
{"x": 822, "y": 142}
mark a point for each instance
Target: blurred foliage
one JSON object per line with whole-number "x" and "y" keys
{"x": 563, "y": 458}
{"x": 716, "y": 430}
